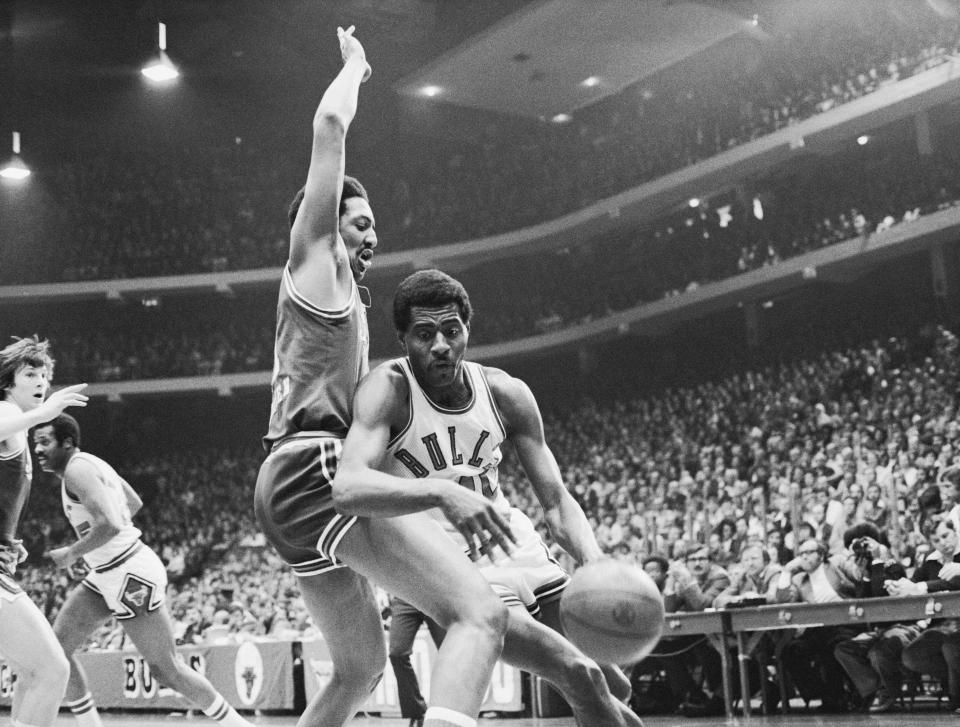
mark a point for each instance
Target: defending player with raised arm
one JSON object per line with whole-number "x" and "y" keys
{"x": 126, "y": 579}
{"x": 321, "y": 353}
{"x": 432, "y": 419}
{"x": 26, "y": 639}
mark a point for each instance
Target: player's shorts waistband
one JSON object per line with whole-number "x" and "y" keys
{"x": 120, "y": 559}
{"x": 300, "y": 436}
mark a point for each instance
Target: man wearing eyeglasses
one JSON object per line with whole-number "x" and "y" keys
{"x": 692, "y": 585}
{"x": 809, "y": 658}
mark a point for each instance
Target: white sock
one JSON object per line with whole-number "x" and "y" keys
{"x": 440, "y": 716}
{"x": 85, "y": 711}
{"x": 223, "y": 713}
{"x": 17, "y": 723}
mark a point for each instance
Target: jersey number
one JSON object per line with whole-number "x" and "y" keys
{"x": 486, "y": 487}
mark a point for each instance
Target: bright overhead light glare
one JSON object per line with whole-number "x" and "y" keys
{"x": 863, "y": 139}
{"x": 590, "y": 82}
{"x": 15, "y": 170}
{"x": 161, "y": 70}
{"x": 431, "y": 91}
{"x": 560, "y": 118}
{"x": 694, "y": 202}
{"x": 755, "y": 21}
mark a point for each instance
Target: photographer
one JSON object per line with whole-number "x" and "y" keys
{"x": 872, "y": 659}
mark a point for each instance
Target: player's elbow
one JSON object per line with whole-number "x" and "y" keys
{"x": 328, "y": 124}
{"x": 343, "y": 498}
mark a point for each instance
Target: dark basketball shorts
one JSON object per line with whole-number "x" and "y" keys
{"x": 293, "y": 503}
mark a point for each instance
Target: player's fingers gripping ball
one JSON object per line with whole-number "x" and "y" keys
{"x": 612, "y": 611}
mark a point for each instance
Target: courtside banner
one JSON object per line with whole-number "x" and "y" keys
{"x": 502, "y": 696}
{"x": 248, "y": 675}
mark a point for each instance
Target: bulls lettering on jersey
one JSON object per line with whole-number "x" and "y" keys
{"x": 461, "y": 444}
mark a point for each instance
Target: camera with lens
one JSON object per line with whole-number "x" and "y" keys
{"x": 861, "y": 548}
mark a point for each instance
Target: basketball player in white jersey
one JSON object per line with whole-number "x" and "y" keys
{"x": 435, "y": 415}
{"x": 26, "y": 640}
{"x": 126, "y": 579}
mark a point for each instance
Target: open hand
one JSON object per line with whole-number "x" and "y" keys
{"x": 63, "y": 398}
{"x": 350, "y": 48}
{"x": 478, "y": 521}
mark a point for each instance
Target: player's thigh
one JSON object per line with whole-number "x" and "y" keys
{"x": 80, "y": 614}
{"x": 344, "y": 608}
{"x": 413, "y": 558}
{"x": 152, "y": 633}
{"x": 26, "y": 638}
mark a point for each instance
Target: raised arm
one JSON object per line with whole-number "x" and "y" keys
{"x": 563, "y": 515}
{"x": 318, "y": 259}
{"x": 359, "y": 488}
{"x": 83, "y": 480}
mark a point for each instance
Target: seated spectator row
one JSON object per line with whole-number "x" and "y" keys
{"x": 841, "y": 199}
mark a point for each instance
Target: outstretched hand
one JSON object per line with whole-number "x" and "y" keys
{"x": 65, "y": 397}
{"x": 478, "y": 521}
{"x": 350, "y": 47}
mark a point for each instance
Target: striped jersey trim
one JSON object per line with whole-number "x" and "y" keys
{"x": 302, "y": 301}
{"x": 120, "y": 559}
{"x": 12, "y": 455}
{"x": 8, "y": 585}
{"x": 303, "y": 437}
{"x": 332, "y": 535}
{"x": 493, "y": 402}
{"x": 400, "y": 365}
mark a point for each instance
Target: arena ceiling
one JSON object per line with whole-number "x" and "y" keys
{"x": 519, "y": 57}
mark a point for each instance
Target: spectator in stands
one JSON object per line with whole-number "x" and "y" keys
{"x": 755, "y": 579}
{"x": 936, "y": 651}
{"x": 691, "y": 585}
{"x": 809, "y": 658}
{"x": 872, "y": 659}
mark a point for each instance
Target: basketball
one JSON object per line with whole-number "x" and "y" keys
{"x": 612, "y": 611}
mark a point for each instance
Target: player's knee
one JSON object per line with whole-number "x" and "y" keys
{"x": 360, "y": 672}
{"x": 491, "y": 617}
{"x": 584, "y": 673}
{"x": 55, "y": 671}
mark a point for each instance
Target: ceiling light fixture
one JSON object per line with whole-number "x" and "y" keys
{"x": 161, "y": 68}
{"x": 15, "y": 169}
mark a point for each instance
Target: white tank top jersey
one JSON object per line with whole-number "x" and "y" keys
{"x": 81, "y": 520}
{"x": 461, "y": 444}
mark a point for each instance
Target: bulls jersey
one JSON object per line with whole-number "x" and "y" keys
{"x": 319, "y": 358}
{"x": 120, "y": 545}
{"x": 16, "y": 471}
{"x": 461, "y": 444}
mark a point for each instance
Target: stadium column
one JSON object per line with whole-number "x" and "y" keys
{"x": 945, "y": 276}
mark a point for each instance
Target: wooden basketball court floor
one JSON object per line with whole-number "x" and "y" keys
{"x": 923, "y": 718}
